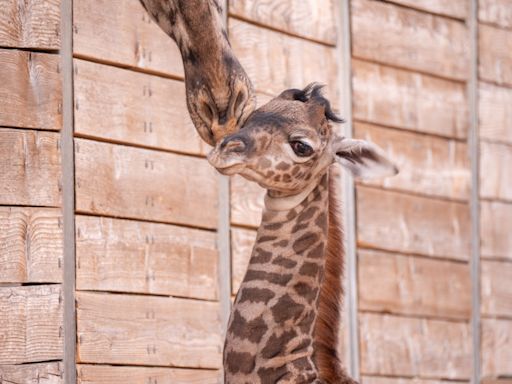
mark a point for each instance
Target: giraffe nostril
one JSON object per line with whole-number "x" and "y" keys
{"x": 234, "y": 145}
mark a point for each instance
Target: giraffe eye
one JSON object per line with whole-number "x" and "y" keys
{"x": 301, "y": 149}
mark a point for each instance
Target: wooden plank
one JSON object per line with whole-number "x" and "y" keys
{"x": 30, "y": 95}
{"x": 310, "y": 19}
{"x": 496, "y": 350}
{"x": 428, "y": 165}
{"x": 97, "y": 374}
{"x": 495, "y": 175}
{"x": 242, "y": 243}
{"x": 138, "y": 183}
{"x": 497, "y": 12}
{"x": 389, "y": 34}
{"x": 497, "y": 381}
{"x": 395, "y": 380}
{"x": 147, "y": 330}
{"x": 246, "y": 202}
{"x": 458, "y": 9}
{"x": 30, "y": 245}
{"x": 412, "y": 224}
{"x": 30, "y": 168}
{"x": 495, "y": 57}
{"x": 495, "y": 224}
{"x": 496, "y": 289}
{"x": 130, "y": 256}
{"x": 275, "y": 61}
{"x": 400, "y": 346}
{"x": 41, "y": 373}
{"x": 494, "y": 112}
{"x": 121, "y": 32}
{"x": 30, "y": 24}
{"x": 143, "y": 109}
{"x": 413, "y": 285}
{"x": 403, "y": 99}
{"x": 31, "y": 319}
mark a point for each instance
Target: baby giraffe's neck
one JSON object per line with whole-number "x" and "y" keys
{"x": 270, "y": 335}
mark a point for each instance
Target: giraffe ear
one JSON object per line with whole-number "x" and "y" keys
{"x": 364, "y": 159}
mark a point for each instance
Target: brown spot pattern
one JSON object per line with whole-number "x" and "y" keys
{"x": 284, "y": 262}
{"x": 276, "y": 345}
{"x": 286, "y": 308}
{"x": 304, "y": 242}
{"x": 274, "y": 278}
{"x": 242, "y": 362}
{"x": 255, "y": 295}
{"x": 248, "y": 330}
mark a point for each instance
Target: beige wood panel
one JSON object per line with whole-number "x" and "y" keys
{"x": 390, "y": 34}
{"x": 30, "y": 24}
{"x": 394, "y": 380}
{"x": 121, "y": 32}
{"x": 412, "y": 224}
{"x": 413, "y": 285}
{"x": 496, "y": 348}
{"x": 97, "y": 374}
{"x": 30, "y": 169}
{"x": 497, "y": 381}
{"x": 495, "y": 172}
{"x": 143, "y": 109}
{"x": 31, "y": 93}
{"x": 497, "y": 12}
{"x": 246, "y": 202}
{"x": 496, "y": 288}
{"x": 242, "y": 243}
{"x": 138, "y": 183}
{"x": 131, "y": 256}
{"x": 453, "y": 8}
{"x": 495, "y": 224}
{"x": 31, "y": 319}
{"x": 403, "y": 99}
{"x": 428, "y": 165}
{"x": 147, "y": 330}
{"x": 30, "y": 245}
{"x": 494, "y": 112}
{"x": 41, "y": 373}
{"x": 495, "y": 54}
{"x": 312, "y": 19}
{"x": 275, "y": 61}
{"x": 401, "y": 346}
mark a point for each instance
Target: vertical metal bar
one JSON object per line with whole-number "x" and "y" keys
{"x": 472, "y": 88}
{"x": 68, "y": 191}
{"x": 349, "y": 210}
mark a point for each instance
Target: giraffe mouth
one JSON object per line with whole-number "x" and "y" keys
{"x": 231, "y": 169}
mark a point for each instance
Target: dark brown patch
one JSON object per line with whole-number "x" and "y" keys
{"x": 274, "y": 278}
{"x": 281, "y": 243}
{"x": 284, "y": 262}
{"x": 273, "y": 375}
{"x": 273, "y": 226}
{"x": 286, "y": 308}
{"x": 309, "y": 269}
{"x": 306, "y": 291}
{"x": 240, "y": 362}
{"x": 316, "y": 252}
{"x": 307, "y": 214}
{"x": 306, "y": 322}
{"x": 282, "y": 166}
{"x": 277, "y": 178}
{"x": 248, "y": 330}
{"x": 321, "y": 221}
{"x": 287, "y": 178}
{"x": 304, "y": 242}
{"x": 256, "y": 295}
{"x": 299, "y": 227}
{"x": 260, "y": 256}
{"x": 291, "y": 215}
{"x": 295, "y": 170}
{"x": 302, "y": 364}
{"x": 264, "y": 163}
{"x": 276, "y": 345}
{"x": 264, "y": 239}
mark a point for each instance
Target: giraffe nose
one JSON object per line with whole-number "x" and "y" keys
{"x": 234, "y": 143}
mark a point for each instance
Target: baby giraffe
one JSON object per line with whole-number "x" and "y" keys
{"x": 284, "y": 324}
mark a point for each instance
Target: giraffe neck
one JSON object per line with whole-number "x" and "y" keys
{"x": 271, "y": 330}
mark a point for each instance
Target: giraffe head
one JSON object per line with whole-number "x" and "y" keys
{"x": 287, "y": 145}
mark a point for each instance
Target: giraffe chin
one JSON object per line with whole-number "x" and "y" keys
{"x": 231, "y": 170}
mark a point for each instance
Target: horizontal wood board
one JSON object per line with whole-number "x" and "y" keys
{"x": 496, "y": 288}
{"x": 41, "y": 373}
{"x": 495, "y": 224}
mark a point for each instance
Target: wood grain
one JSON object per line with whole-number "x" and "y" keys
{"x": 496, "y": 289}
{"x": 390, "y": 34}
{"x": 275, "y": 61}
{"x": 496, "y": 12}
{"x": 121, "y": 32}
{"x": 246, "y": 202}
{"x": 494, "y": 54}
{"x": 394, "y": 380}
{"x": 30, "y": 245}
{"x": 131, "y": 256}
{"x": 400, "y": 346}
{"x": 495, "y": 224}
{"x": 30, "y": 168}
{"x": 494, "y": 112}
{"x": 30, "y": 95}
{"x": 453, "y": 8}
{"x": 411, "y": 224}
{"x": 496, "y": 351}
{"x": 242, "y": 243}
{"x": 428, "y": 165}
{"x": 30, "y": 24}
{"x": 413, "y": 285}
{"x": 403, "y": 99}
{"x": 312, "y": 19}
{"x": 41, "y": 373}
{"x": 97, "y": 374}
{"x": 143, "y": 109}
{"x": 31, "y": 319}
{"x": 147, "y": 330}
{"x": 138, "y": 183}
{"x": 495, "y": 174}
